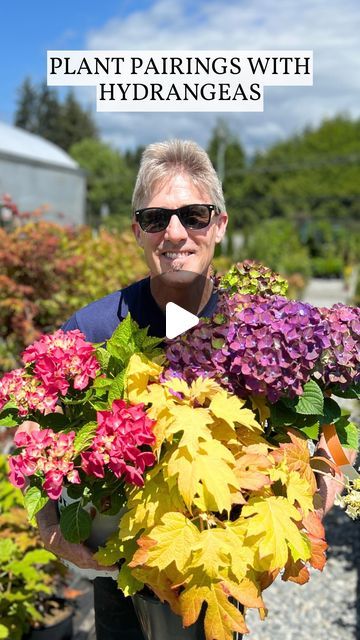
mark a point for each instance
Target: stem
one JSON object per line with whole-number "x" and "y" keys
{"x": 323, "y": 473}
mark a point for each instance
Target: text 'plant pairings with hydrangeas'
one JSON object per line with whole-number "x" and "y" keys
{"x": 204, "y": 443}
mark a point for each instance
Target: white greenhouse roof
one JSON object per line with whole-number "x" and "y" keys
{"x": 22, "y": 144}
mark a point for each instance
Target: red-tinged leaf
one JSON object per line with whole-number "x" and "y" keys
{"x": 324, "y": 465}
{"x": 141, "y": 555}
{"x": 161, "y": 585}
{"x": 297, "y": 456}
{"x": 267, "y": 578}
{"x": 221, "y": 618}
{"x": 318, "y": 555}
{"x": 313, "y": 524}
{"x": 296, "y": 572}
{"x": 247, "y": 592}
{"x": 250, "y": 469}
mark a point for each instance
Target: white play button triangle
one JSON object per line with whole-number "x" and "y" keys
{"x": 178, "y": 320}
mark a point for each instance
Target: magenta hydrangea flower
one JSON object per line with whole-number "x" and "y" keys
{"x": 62, "y": 357}
{"x": 254, "y": 344}
{"x": 43, "y": 452}
{"x": 340, "y": 363}
{"x": 27, "y": 392}
{"x": 118, "y": 442}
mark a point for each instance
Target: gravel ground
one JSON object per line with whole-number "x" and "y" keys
{"x": 328, "y": 606}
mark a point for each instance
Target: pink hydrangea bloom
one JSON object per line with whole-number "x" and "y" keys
{"x": 61, "y": 358}
{"x": 120, "y": 435}
{"x": 27, "y": 392}
{"x": 46, "y": 452}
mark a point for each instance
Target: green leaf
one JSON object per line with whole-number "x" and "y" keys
{"x": 75, "y": 491}
{"x": 34, "y": 500}
{"x": 84, "y": 437}
{"x": 4, "y": 632}
{"x": 103, "y": 357}
{"x": 102, "y": 383}
{"x": 38, "y": 556}
{"x": 98, "y": 405}
{"x": 311, "y": 431}
{"x": 7, "y": 550}
{"x": 332, "y": 411}
{"x": 311, "y": 402}
{"x": 347, "y": 432}
{"x": 281, "y": 416}
{"x": 80, "y": 400}
{"x": 8, "y": 421}
{"x": 352, "y": 392}
{"x": 55, "y": 421}
{"x": 121, "y": 343}
{"x": 9, "y": 405}
{"x": 117, "y": 387}
{"x": 75, "y": 523}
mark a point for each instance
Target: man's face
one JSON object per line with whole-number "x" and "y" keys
{"x": 194, "y": 248}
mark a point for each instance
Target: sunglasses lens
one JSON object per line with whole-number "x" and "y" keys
{"x": 196, "y": 216}
{"x": 154, "y": 220}
{"x": 192, "y": 216}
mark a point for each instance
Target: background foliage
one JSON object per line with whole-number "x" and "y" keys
{"x": 50, "y": 271}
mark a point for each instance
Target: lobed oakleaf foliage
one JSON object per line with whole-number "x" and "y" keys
{"x": 221, "y": 513}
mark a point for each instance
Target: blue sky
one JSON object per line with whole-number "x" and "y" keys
{"x": 330, "y": 27}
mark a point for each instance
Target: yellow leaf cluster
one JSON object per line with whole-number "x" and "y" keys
{"x": 222, "y": 511}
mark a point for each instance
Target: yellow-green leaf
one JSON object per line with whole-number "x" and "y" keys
{"x": 174, "y": 540}
{"x": 271, "y": 520}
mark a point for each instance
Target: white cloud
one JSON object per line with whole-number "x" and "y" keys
{"x": 330, "y": 27}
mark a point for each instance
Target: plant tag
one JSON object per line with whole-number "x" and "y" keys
{"x": 349, "y": 471}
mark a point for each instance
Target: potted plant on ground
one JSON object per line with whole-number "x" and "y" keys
{"x": 30, "y": 576}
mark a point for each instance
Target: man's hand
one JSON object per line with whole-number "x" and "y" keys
{"x": 329, "y": 486}
{"x": 50, "y": 533}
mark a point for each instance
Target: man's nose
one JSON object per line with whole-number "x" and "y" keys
{"x": 175, "y": 231}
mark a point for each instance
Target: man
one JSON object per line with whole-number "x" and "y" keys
{"x": 178, "y": 241}
{"x": 178, "y": 218}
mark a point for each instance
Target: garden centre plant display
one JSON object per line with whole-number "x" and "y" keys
{"x": 204, "y": 443}
{"x": 30, "y": 577}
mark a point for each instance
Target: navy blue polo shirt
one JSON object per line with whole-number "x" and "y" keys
{"x": 99, "y": 319}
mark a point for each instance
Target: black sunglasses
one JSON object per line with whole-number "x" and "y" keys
{"x": 191, "y": 216}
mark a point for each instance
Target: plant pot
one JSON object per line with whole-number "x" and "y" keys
{"x": 61, "y": 629}
{"x": 101, "y": 529}
{"x": 158, "y": 622}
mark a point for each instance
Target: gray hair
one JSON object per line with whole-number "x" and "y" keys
{"x": 163, "y": 160}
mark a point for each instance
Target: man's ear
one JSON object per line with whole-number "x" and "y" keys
{"x": 137, "y": 233}
{"x": 221, "y": 224}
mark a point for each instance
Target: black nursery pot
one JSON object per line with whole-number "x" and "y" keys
{"x": 62, "y": 630}
{"x": 158, "y": 622}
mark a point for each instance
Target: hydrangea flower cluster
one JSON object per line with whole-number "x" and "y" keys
{"x": 250, "y": 277}
{"x": 61, "y": 357}
{"x": 46, "y": 452}
{"x": 254, "y": 344}
{"x": 351, "y": 500}
{"x": 340, "y": 364}
{"x": 51, "y": 363}
{"x": 117, "y": 444}
{"x": 28, "y": 392}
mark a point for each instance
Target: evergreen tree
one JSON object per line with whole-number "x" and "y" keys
{"x": 48, "y": 114}
{"x": 75, "y": 122}
{"x": 40, "y": 111}
{"x": 26, "y": 110}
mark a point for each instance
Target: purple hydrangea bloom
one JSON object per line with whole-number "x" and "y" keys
{"x": 340, "y": 363}
{"x": 254, "y": 344}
